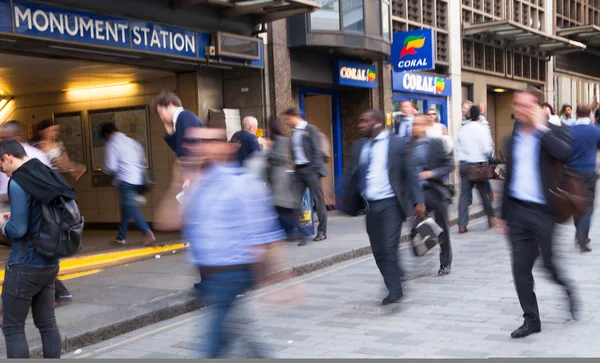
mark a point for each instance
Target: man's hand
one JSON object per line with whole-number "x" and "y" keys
{"x": 420, "y": 210}
{"x": 500, "y": 226}
{"x": 539, "y": 118}
{"x": 169, "y": 127}
{"x": 426, "y": 175}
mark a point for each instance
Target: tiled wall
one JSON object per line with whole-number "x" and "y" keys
{"x": 102, "y": 204}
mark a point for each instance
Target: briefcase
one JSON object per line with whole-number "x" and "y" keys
{"x": 480, "y": 172}
{"x": 424, "y": 236}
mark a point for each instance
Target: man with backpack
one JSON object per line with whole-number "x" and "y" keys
{"x": 43, "y": 225}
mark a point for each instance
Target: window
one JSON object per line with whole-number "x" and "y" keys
{"x": 385, "y": 19}
{"x": 354, "y": 16}
{"x": 327, "y": 17}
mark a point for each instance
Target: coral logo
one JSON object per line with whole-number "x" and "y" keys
{"x": 411, "y": 44}
{"x": 439, "y": 85}
{"x": 371, "y": 76}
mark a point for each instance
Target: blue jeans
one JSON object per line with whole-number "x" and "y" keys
{"x": 219, "y": 290}
{"x": 130, "y": 209}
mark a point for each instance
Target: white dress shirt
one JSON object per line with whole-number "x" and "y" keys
{"x": 33, "y": 153}
{"x": 378, "y": 185}
{"x": 125, "y": 158}
{"x": 178, "y": 112}
{"x": 474, "y": 144}
{"x": 298, "y": 144}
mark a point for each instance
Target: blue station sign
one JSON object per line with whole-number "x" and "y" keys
{"x": 355, "y": 74}
{"x": 413, "y": 50}
{"x": 414, "y": 82}
{"x": 28, "y": 18}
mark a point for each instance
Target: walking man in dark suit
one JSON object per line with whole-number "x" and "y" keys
{"x": 175, "y": 119}
{"x": 433, "y": 164}
{"x": 404, "y": 126}
{"x": 536, "y": 153}
{"x": 310, "y": 165}
{"x": 382, "y": 175}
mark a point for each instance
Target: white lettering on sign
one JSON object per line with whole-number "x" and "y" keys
{"x": 73, "y": 25}
{"x": 413, "y": 63}
{"x": 416, "y": 82}
{"x": 163, "y": 39}
{"x": 354, "y": 74}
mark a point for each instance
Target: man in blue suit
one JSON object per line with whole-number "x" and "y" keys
{"x": 175, "y": 119}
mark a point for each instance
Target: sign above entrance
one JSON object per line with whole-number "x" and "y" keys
{"x": 413, "y": 50}
{"x": 421, "y": 83}
{"x": 33, "y": 19}
{"x": 355, "y": 74}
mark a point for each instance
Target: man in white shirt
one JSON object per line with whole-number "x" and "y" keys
{"x": 125, "y": 159}
{"x": 474, "y": 145}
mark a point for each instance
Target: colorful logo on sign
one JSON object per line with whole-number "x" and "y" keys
{"x": 371, "y": 76}
{"x": 411, "y": 44}
{"x": 439, "y": 85}
{"x": 413, "y": 50}
{"x": 355, "y": 74}
{"x": 421, "y": 83}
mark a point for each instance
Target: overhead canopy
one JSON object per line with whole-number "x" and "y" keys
{"x": 587, "y": 34}
{"x": 518, "y": 35}
{"x": 264, "y": 11}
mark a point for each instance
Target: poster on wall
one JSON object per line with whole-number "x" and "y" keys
{"x": 71, "y": 134}
{"x": 132, "y": 121}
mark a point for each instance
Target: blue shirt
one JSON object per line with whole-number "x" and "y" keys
{"x": 526, "y": 183}
{"x": 228, "y": 214}
{"x": 375, "y": 153}
{"x": 25, "y": 221}
{"x": 586, "y": 142}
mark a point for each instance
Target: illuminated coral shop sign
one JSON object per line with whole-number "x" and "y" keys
{"x": 413, "y": 50}
{"x": 355, "y": 74}
{"x": 421, "y": 83}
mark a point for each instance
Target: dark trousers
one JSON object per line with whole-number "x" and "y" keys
{"x": 466, "y": 187}
{"x": 27, "y": 287}
{"x": 531, "y": 229}
{"x": 582, "y": 223}
{"x": 435, "y": 203}
{"x": 290, "y": 222}
{"x": 130, "y": 209}
{"x": 219, "y": 290}
{"x": 384, "y": 223}
{"x": 306, "y": 177}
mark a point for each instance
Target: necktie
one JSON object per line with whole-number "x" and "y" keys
{"x": 406, "y": 128}
{"x": 363, "y": 167}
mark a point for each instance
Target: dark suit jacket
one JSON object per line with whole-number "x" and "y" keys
{"x": 556, "y": 147}
{"x": 441, "y": 163}
{"x": 184, "y": 120}
{"x": 312, "y": 149}
{"x": 248, "y": 144}
{"x": 402, "y": 175}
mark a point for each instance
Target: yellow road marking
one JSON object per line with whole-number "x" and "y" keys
{"x": 253, "y": 297}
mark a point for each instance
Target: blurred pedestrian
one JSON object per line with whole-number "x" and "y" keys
{"x": 434, "y": 164}
{"x": 391, "y": 191}
{"x": 403, "y": 126}
{"x": 281, "y": 181}
{"x": 586, "y": 143}
{"x": 125, "y": 160}
{"x": 474, "y": 147}
{"x": 566, "y": 115}
{"x": 310, "y": 165}
{"x": 246, "y": 138}
{"x": 437, "y": 130}
{"x": 232, "y": 228}
{"x": 536, "y": 153}
{"x": 55, "y": 150}
{"x": 466, "y": 109}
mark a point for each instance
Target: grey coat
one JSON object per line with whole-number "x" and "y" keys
{"x": 281, "y": 180}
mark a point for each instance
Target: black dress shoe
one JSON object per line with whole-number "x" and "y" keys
{"x": 391, "y": 298}
{"x": 585, "y": 248}
{"x": 320, "y": 237}
{"x": 444, "y": 270}
{"x": 525, "y": 330}
{"x": 303, "y": 243}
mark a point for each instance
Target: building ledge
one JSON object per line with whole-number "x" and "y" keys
{"x": 518, "y": 35}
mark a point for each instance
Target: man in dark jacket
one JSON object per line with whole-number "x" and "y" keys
{"x": 381, "y": 178}
{"x": 175, "y": 119}
{"x": 29, "y": 277}
{"x": 536, "y": 154}
{"x": 310, "y": 164}
{"x": 246, "y": 138}
{"x": 433, "y": 165}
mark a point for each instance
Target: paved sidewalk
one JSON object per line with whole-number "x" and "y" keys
{"x": 467, "y": 314}
{"x": 121, "y": 299}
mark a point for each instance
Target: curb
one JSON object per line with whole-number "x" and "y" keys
{"x": 185, "y": 301}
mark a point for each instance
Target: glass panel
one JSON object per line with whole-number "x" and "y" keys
{"x": 385, "y": 19}
{"x": 354, "y": 19}
{"x": 327, "y": 17}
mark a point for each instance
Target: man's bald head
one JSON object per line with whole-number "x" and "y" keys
{"x": 250, "y": 124}
{"x": 13, "y": 130}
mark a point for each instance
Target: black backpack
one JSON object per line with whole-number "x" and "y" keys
{"x": 61, "y": 229}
